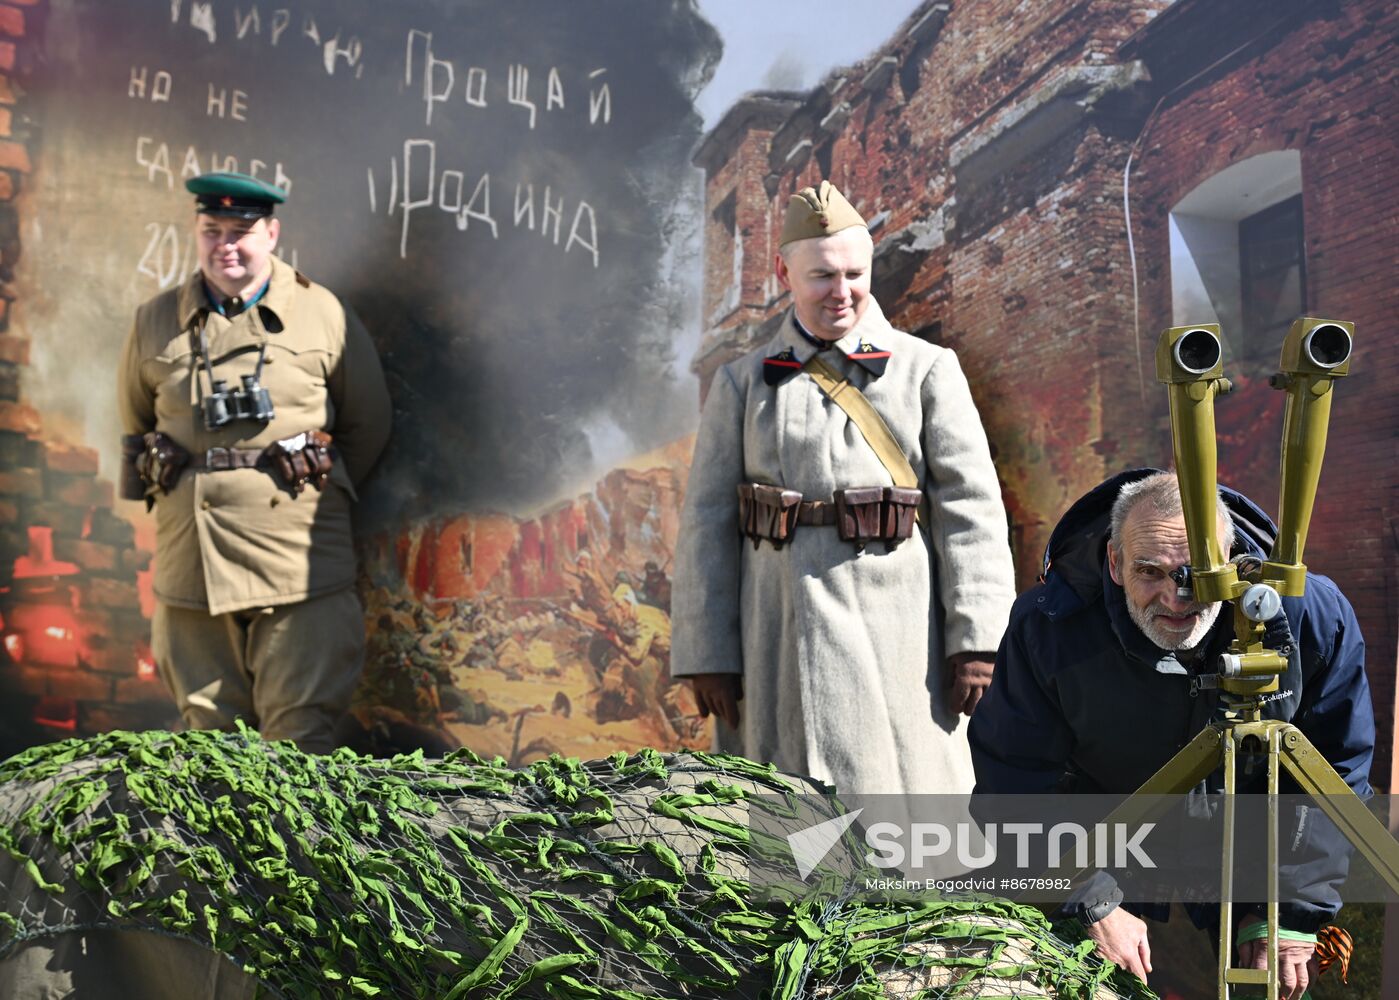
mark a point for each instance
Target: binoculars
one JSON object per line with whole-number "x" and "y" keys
{"x": 224, "y": 405}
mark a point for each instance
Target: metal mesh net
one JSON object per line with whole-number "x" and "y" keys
{"x": 340, "y": 875}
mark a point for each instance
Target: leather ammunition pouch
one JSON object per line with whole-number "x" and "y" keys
{"x": 876, "y": 513}
{"x": 767, "y": 513}
{"x": 861, "y": 514}
{"x": 900, "y": 512}
{"x": 150, "y": 460}
{"x": 132, "y": 486}
{"x": 301, "y": 459}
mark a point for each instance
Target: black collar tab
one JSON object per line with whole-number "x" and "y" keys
{"x": 872, "y": 359}
{"x": 780, "y": 366}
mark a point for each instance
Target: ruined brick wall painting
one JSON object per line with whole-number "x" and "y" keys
{"x": 503, "y": 193}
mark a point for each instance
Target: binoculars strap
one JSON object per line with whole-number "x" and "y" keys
{"x": 209, "y": 364}
{"x": 204, "y": 350}
{"x": 871, "y": 425}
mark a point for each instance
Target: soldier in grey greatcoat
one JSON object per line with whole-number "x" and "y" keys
{"x": 855, "y": 664}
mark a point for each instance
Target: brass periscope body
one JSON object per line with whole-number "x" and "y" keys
{"x": 1189, "y": 360}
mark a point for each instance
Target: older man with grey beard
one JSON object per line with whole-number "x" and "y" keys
{"x": 1096, "y": 687}
{"x": 1146, "y": 543}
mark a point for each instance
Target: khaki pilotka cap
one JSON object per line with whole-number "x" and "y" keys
{"x": 817, "y": 212}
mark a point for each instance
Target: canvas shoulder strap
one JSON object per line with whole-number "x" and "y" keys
{"x": 865, "y": 417}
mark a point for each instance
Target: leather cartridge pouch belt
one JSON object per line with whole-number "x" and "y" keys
{"x": 296, "y": 461}
{"x": 861, "y": 514}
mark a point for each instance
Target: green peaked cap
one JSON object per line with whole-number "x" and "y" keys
{"x": 240, "y": 195}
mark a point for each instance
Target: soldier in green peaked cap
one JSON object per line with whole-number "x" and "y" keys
{"x": 239, "y": 389}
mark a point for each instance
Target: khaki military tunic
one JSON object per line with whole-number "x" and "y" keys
{"x": 233, "y": 545}
{"x": 842, "y": 651}
{"x": 237, "y": 539}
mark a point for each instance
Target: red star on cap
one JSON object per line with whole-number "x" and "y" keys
{"x": 226, "y": 201}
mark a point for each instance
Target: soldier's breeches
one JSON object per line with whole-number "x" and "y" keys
{"x": 287, "y": 670}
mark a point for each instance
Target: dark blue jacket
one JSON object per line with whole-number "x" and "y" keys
{"x": 1078, "y": 703}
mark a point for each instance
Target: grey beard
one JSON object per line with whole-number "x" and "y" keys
{"x": 1144, "y": 619}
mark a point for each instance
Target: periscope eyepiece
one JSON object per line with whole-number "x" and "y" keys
{"x": 1327, "y": 346}
{"x": 1197, "y": 351}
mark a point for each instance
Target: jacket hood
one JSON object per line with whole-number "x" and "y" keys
{"x": 1073, "y": 559}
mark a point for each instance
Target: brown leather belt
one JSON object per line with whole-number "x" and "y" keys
{"x": 818, "y": 512}
{"x": 221, "y": 459}
{"x": 859, "y": 514}
{"x": 156, "y": 460}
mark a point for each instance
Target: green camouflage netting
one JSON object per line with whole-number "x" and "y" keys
{"x": 625, "y": 878}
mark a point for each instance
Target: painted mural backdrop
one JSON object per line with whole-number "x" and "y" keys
{"x": 503, "y": 193}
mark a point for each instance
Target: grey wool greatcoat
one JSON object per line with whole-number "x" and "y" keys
{"x": 842, "y": 652}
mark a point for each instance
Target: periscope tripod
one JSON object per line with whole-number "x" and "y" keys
{"x": 1243, "y": 731}
{"x": 1188, "y": 360}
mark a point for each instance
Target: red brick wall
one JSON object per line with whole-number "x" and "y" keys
{"x": 1025, "y": 264}
{"x": 1033, "y": 315}
{"x": 1024, "y": 268}
{"x": 742, "y": 179}
{"x": 73, "y": 642}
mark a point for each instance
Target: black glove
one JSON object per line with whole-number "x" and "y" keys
{"x": 1277, "y": 635}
